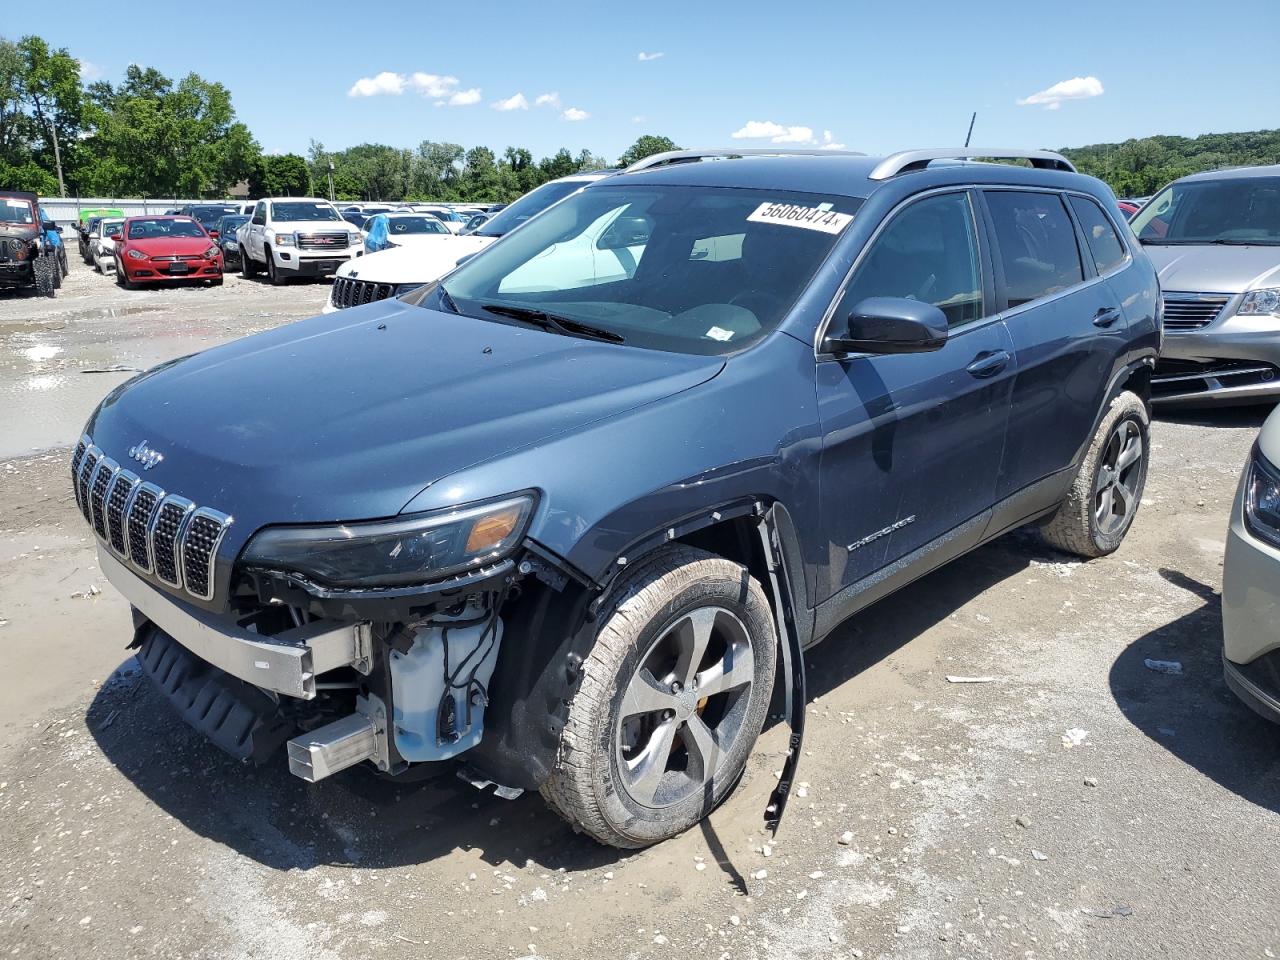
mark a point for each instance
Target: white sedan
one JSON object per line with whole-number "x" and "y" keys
{"x": 102, "y": 244}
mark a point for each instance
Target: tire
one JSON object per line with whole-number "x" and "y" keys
{"x": 273, "y": 272}
{"x": 653, "y": 620}
{"x": 248, "y": 268}
{"x": 44, "y": 268}
{"x": 58, "y": 272}
{"x": 62, "y": 257}
{"x": 1103, "y": 500}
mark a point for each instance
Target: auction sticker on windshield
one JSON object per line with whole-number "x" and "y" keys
{"x": 821, "y": 217}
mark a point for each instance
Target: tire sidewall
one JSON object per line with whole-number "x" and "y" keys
{"x": 1128, "y": 409}
{"x": 644, "y": 825}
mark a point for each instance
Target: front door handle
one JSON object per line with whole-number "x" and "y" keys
{"x": 988, "y": 364}
{"x": 1106, "y": 317}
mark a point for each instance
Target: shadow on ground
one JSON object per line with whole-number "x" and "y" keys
{"x": 1194, "y": 716}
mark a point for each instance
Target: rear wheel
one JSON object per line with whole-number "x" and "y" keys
{"x": 1098, "y": 512}
{"x": 672, "y": 698}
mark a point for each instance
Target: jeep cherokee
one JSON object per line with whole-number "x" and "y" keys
{"x": 561, "y": 536}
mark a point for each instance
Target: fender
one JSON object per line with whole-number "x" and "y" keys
{"x": 1114, "y": 389}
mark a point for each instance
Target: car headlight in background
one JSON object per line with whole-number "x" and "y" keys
{"x": 386, "y": 553}
{"x": 211, "y": 253}
{"x": 135, "y": 255}
{"x": 1260, "y": 303}
{"x": 1262, "y": 500}
{"x": 353, "y": 239}
{"x": 284, "y": 239}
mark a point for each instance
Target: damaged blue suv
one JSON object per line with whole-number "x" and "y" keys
{"x": 557, "y": 520}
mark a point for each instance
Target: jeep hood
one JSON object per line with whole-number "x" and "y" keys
{"x": 351, "y": 414}
{"x": 1215, "y": 269}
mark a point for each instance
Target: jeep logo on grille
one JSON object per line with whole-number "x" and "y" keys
{"x": 145, "y": 455}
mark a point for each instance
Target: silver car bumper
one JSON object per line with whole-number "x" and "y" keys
{"x": 286, "y": 663}
{"x": 1231, "y": 360}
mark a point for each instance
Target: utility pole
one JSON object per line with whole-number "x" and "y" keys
{"x": 969, "y": 135}
{"x": 331, "y": 197}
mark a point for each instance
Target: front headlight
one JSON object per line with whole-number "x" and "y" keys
{"x": 1260, "y": 303}
{"x": 387, "y": 553}
{"x": 1262, "y": 500}
{"x": 353, "y": 239}
{"x": 211, "y": 253}
{"x": 284, "y": 239}
{"x": 135, "y": 255}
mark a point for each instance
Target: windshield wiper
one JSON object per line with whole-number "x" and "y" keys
{"x": 1228, "y": 242}
{"x": 553, "y": 323}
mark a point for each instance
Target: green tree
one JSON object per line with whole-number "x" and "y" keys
{"x": 281, "y": 175}
{"x": 646, "y": 146}
{"x": 49, "y": 86}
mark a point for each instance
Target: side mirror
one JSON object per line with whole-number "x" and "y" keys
{"x": 462, "y": 260}
{"x": 117, "y": 238}
{"x": 885, "y": 325}
{"x": 213, "y": 234}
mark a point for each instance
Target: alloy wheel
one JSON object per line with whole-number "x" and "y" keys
{"x": 683, "y": 708}
{"x": 1119, "y": 479}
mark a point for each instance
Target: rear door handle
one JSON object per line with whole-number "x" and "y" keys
{"x": 988, "y": 364}
{"x": 1106, "y": 317}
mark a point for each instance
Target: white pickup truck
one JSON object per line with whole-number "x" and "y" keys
{"x": 296, "y": 237}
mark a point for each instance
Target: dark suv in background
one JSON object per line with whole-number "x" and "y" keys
{"x": 558, "y": 536}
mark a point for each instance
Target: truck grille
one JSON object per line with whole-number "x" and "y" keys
{"x": 353, "y": 293}
{"x": 322, "y": 241}
{"x": 159, "y": 533}
{"x": 1191, "y": 311}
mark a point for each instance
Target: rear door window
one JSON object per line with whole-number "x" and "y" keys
{"x": 1105, "y": 246}
{"x": 1036, "y": 244}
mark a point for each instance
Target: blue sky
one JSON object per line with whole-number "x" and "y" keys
{"x": 872, "y": 76}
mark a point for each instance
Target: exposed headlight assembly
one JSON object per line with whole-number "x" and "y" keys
{"x": 1260, "y": 303}
{"x": 1262, "y": 500}
{"x": 399, "y": 552}
{"x": 135, "y": 255}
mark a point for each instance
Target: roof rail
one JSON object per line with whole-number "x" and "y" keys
{"x": 691, "y": 156}
{"x": 907, "y": 160}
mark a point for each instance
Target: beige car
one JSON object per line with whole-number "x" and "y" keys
{"x": 1251, "y": 580}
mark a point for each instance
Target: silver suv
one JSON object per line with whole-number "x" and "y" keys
{"x": 1215, "y": 240}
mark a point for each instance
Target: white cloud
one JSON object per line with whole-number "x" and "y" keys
{"x": 646, "y": 57}
{"x": 431, "y": 85}
{"x": 773, "y": 132}
{"x": 465, "y": 98}
{"x": 639, "y": 119}
{"x": 385, "y": 83}
{"x": 89, "y": 71}
{"x": 514, "y": 102}
{"x": 1077, "y": 88}
{"x": 547, "y": 100}
{"x": 828, "y": 141}
{"x": 573, "y": 113}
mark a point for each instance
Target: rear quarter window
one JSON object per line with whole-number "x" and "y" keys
{"x": 1036, "y": 244}
{"x": 1104, "y": 244}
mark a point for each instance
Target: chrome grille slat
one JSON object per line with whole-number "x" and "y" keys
{"x": 145, "y": 500}
{"x": 356, "y": 293}
{"x": 87, "y": 465}
{"x": 322, "y": 241}
{"x": 165, "y": 535}
{"x": 1191, "y": 311}
{"x": 117, "y": 498}
{"x": 199, "y": 548}
{"x": 102, "y": 477}
{"x": 76, "y": 457}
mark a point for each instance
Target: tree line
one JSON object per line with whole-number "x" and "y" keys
{"x": 153, "y": 136}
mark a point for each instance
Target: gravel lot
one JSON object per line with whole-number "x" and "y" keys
{"x": 1077, "y": 805}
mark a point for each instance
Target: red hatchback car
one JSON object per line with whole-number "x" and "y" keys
{"x": 153, "y": 249}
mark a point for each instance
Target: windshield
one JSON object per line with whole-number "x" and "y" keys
{"x": 109, "y": 228}
{"x": 210, "y": 215}
{"x": 301, "y": 210}
{"x": 228, "y": 224}
{"x": 688, "y": 269}
{"x": 530, "y": 205}
{"x": 423, "y": 224}
{"x": 1231, "y": 211}
{"x": 17, "y": 211}
{"x": 153, "y": 228}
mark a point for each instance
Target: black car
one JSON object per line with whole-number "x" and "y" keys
{"x": 31, "y": 250}
{"x": 224, "y": 234}
{"x": 552, "y": 520}
{"x": 208, "y": 214}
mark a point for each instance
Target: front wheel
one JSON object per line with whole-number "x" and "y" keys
{"x": 273, "y": 272}
{"x": 45, "y": 269}
{"x": 1099, "y": 510}
{"x": 671, "y": 700}
{"x": 248, "y": 267}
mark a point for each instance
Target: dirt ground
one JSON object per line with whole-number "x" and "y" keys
{"x": 1077, "y": 805}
